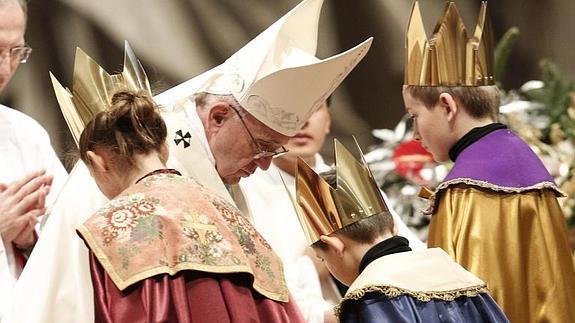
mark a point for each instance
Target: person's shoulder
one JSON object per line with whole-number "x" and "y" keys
{"x": 20, "y": 121}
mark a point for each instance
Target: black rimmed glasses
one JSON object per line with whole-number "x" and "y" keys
{"x": 18, "y": 54}
{"x": 262, "y": 152}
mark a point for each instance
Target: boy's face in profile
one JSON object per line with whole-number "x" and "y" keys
{"x": 430, "y": 126}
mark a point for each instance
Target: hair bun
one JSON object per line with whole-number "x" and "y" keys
{"x": 129, "y": 97}
{"x": 131, "y": 125}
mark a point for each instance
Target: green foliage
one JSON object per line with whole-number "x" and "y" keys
{"x": 503, "y": 51}
{"x": 555, "y": 95}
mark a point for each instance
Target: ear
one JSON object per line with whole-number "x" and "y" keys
{"x": 164, "y": 152}
{"x": 97, "y": 162}
{"x": 218, "y": 114}
{"x": 395, "y": 228}
{"x": 449, "y": 105}
{"x": 334, "y": 243}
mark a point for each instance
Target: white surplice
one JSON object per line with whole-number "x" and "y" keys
{"x": 24, "y": 147}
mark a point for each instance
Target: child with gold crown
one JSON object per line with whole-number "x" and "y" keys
{"x": 350, "y": 228}
{"x": 496, "y": 212}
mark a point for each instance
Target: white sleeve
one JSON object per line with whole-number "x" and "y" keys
{"x": 56, "y": 285}
{"x": 46, "y": 158}
{"x": 5, "y": 278}
{"x": 303, "y": 284}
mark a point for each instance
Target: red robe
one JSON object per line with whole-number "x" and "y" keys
{"x": 168, "y": 250}
{"x": 189, "y": 296}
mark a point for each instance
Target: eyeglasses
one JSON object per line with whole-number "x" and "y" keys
{"x": 18, "y": 54}
{"x": 262, "y": 152}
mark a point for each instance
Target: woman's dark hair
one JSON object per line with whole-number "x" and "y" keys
{"x": 132, "y": 125}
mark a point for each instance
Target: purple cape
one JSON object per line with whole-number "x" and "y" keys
{"x": 501, "y": 160}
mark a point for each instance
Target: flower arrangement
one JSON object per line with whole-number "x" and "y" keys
{"x": 542, "y": 112}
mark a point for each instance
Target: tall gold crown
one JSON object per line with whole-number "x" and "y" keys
{"x": 93, "y": 88}
{"x": 449, "y": 57}
{"x": 323, "y": 209}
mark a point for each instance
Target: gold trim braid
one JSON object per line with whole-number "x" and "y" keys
{"x": 428, "y": 210}
{"x": 423, "y": 296}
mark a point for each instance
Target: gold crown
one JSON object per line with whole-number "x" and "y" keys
{"x": 323, "y": 209}
{"x": 450, "y": 57}
{"x": 93, "y": 88}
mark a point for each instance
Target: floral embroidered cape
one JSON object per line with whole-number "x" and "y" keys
{"x": 167, "y": 223}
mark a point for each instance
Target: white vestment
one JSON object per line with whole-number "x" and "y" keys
{"x": 274, "y": 217}
{"x": 24, "y": 148}
{"x": 56, "y": 284}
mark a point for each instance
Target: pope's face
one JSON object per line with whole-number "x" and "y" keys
{"x": 235, "y": 151}
{"x": 12, "y": 27}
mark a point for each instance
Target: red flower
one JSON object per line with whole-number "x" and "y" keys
{"x": 410, "y": 158}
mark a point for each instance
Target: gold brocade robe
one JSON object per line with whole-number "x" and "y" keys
{"x": 515, "y": 241}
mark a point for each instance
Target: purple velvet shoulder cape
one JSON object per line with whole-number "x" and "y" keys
{"x": 500, "y": 161}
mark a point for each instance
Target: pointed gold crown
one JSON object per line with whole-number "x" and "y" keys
{"x": 93, "y": 88}
{"x": 449, "y": 57}
{"x": 323, "y": 209}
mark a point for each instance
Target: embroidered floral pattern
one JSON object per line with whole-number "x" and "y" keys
{"x": 265, "y": 264}
{"x": 246, "y": 234}
{"x": 132, "y": 220}
{"x": 166, "y": 224}
{"x": 240, "y": 226}
{"x": 208, "y": 244}
{"x": 121, "y": 219}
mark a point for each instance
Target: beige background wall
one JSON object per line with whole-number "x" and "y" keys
{"x": 177, "y": 39}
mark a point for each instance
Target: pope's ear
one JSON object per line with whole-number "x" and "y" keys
{"x": 218, "y": 114}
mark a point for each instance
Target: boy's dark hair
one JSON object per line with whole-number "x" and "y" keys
{"x": 478, "y": 101}
{"x": 364, "y": 231}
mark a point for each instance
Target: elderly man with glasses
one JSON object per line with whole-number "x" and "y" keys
{"x": 28, "y": 164}
{"x": 246, "y": 142}
{"x": 222, "y": 125}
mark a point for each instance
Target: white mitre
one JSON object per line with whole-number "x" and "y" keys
{"x": 276, "y": 76}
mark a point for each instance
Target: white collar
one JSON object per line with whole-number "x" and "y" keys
{"x": 198, "y": 128}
